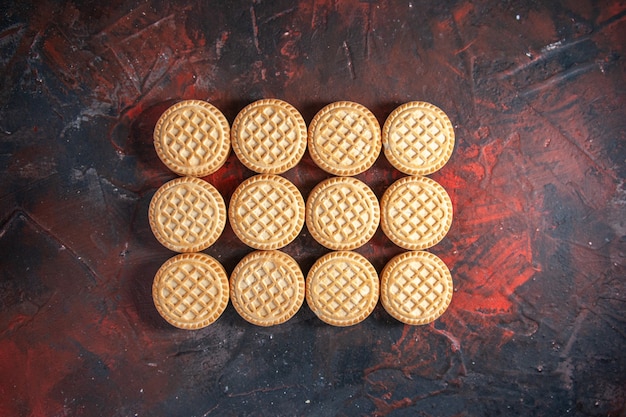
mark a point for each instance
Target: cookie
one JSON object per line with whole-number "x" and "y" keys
{"x": 192, "y": 138}
{"x": 342, "y": 213}
{"x": 418, "y": 138}
{"x": 267, "y": 288}
{"x": 416, "y": 212}
{"x": 266, "y": 212}
{"x": 190, "y": 290}
{"x": 187, "y": 214}
{"x": 344, "y": 138}
{"x": 269, "y": 136}
{"x": 342, "y": 288}
{"x": 416, "y": 287}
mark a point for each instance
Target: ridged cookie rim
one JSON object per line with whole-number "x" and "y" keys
{"x": 319, "y": 310}
{"x": 318, "y": 191}
{"x": 376, "y": 132}
{"x": 385, "y": 283}
{"x": 214, "y": 163}
{"x": 427, "y": 169}
{"x": 301, "y": 145}
{"x": 294, "y": 268}
{"x": 300, "y": 209}
{"x": 422, "y": 244}
{"x": 218, "y": 270}
{"x": 213, "y": 194}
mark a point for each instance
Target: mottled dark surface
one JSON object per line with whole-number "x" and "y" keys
{"x": 537, "y": 94}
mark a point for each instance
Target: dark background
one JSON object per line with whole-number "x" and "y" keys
{"x": 536, "y": 91}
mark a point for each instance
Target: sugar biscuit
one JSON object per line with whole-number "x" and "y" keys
{"x": 342, "y": 213}
{"x": 342, "y": 288}
{"x": 267, "y": 288}
{"x": 416, "y": 212}
{"x": 266, "y": 212}
{"x": 418, "y": 138}
{"x": 269, "y": 136}
{"x": 190, "y": 290}
{"x": 344, "y": 138}
{"x": 416, "y": 287}
{"x": 187, "y": 214}
{"x": 192, "y": 138}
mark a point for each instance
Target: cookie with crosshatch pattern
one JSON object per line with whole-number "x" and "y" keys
{"x": 190, "y": 290}
{"x": 192, "y": 138}
{"x": 342, "y": 288}
{"x": 418, "y": 138}
{"x": 187, "y": 214}
{"x": 416, "y": 287}
{"x": 267, "y": 287}
{"x": 269, "y": 136}
{"x": 344, "y": 138}
{"x": 416, "y": 212}
{"x": 342, "y": 213}
{"x": 266, "y": 212}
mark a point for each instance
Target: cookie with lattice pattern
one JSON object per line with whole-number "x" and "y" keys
{"x": 342, "y": 213}
{"x": 192, "y": 138}
{"x": 416, "y": 287}
{"x": 190, "y": 290}
{"x": 344, "y": 138}
{"x": 187, "y": 214}
{"x": 418, "y": 138}
{"x": 342, "y": 288}
{"x": 416, "y": 212}
{"x": 269, "y": 136}
{"x": 267, "y": 287}
{"x": 266, "y": 212}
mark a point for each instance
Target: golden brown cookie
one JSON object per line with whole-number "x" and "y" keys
{"x": 418, "y": 138}
{"x": 190, "y": 290}
{"x": 267, "y": 288}
{"x": 342, "y": 213}
{"x": 416, "y": 287}
{"x": 342, "y": 288}
{"x": 344, "y": 138}
{"x": 187, "y": 214}
{"x": 269, "y": 136}
{"x": 266, "y": 212}
{"x": 416, "y": 212}
{"x": 192, "y": 138}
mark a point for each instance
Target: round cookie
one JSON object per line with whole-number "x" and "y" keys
{"x": 342, "y": 288}
{"x": 190, "y": 290}
{"x": 266, "y": 212}
{"x": 187, "y": 214}
{"x": 418, "y": 138}
{"x": 416, "y": 212}
{"x": 269, "y": 136}
{"x": 344, "y": 138}
{"x": 192, "y": 138}
{"x": 342, "y": 213}
{"x": 416, "y": 287}
{"x": 267, "y": 288}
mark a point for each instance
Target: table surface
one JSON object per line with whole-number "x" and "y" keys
{"x": 536, "y": 93}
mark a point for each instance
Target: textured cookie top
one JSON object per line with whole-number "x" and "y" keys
{"x": 416, "y": 212}
{"x": 342, "y": 288}
{"x": 190, "y": 290}
{"x": 192, "y": 138}
{"x": 418, "y": 138}
{"x": 269, "y": 136}
{"x": 342, "y": 213}
{"x": 187, "y": 214}
{"x": 416, "y": 287}
{"x": 267, "y": 287}
{"x": 344, "y": 138}
{"x": 266, "y": 212}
